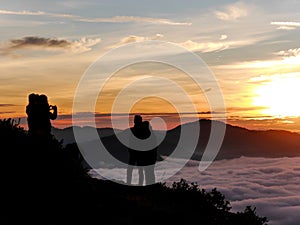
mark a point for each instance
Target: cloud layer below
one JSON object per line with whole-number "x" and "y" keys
{"x": 272, "y": 185}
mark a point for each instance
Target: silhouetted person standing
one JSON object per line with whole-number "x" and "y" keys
{"x": 32, "y": 111}
{"x": 134, "y": 154}
{"x": 148, "y": 158}
{"x": 143, "y": 158}
{"x": 39, "y": 114}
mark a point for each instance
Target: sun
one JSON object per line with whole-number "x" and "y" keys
{"x": 280, "y": 96}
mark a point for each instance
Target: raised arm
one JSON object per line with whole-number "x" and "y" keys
{"x": 53, "y": 115}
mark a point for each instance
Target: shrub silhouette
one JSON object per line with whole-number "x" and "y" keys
{"x": 40, "y": 179}
{"x": 45, "y": 184}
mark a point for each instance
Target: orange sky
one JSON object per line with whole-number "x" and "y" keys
{"x": 251, "y": 48}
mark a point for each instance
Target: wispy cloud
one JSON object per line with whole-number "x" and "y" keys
{"x": 37, "y": 13}
{"x": 232, "y": 12}
{"x": 204, "y": 46}
{"x": 270, "y": 78}
{"x": 286, "y": 28}
{"x": 223, "y": 37}
{"x": 214, "y": 46}
{"x": 289, "y": 53}
{"x": 289, "y": 59}
{"x": 116, "y": 19}
{"x": 33, "y": 42}
{"x": 124, "y": 19}
{"x": 134, "y": 38}
{"x": 286, "y": 25}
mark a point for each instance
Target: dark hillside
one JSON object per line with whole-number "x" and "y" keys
{"x": 43, "y": 183}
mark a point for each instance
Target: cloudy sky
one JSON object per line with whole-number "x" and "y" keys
{"x": 251, "y": 47}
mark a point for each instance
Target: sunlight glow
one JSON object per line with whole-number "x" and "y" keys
{"x": 280, "y": 96}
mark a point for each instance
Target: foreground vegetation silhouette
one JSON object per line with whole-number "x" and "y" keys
{"x": 45, "y": 184}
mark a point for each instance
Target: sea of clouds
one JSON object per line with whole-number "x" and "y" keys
{"x": 272, "y": 185}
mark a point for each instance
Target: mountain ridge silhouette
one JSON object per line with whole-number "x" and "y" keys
{"x": 238, "y": 142}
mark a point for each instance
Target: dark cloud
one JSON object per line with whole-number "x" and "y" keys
{"x": 8, "y": 112}
{"x": 89, "y": 114}
{"x": 38, "y": 41}
{"x": 34, "y": 42}
{"x": 6, "y": 105}
{"x": 245, "y": 109}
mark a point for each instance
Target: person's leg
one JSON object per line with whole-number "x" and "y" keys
{"x": 141, "y": 175}
{"x": 131, "y": 162}
{"x": 150, "y": 175}
{"x": 129, "y": 173}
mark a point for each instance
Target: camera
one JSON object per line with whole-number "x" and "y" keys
{"x": 52, "y": 107}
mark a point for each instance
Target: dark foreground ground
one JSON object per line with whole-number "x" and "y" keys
{"x": 43, "y": 183}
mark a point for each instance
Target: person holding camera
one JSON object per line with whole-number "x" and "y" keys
{"x": 47, "y": 113}
{"x": 39, "y": 115}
